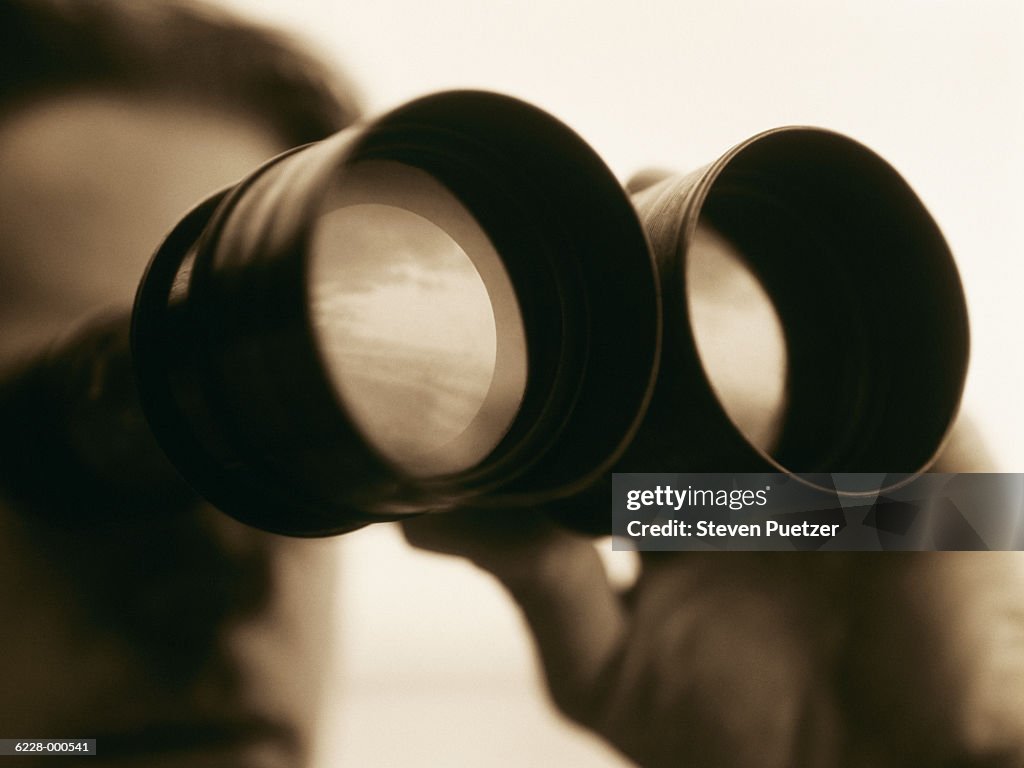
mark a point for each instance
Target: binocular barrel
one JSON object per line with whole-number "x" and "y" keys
{"x": 868, "y": 298}
{"x": 458, "y": 305}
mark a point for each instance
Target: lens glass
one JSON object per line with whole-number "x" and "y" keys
{"x": 416, "y": 319}
{"x": 739, "y": 337}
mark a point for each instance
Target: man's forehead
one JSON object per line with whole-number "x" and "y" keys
{"x": 92, "y": 181}
{"x": 82, "y": 149}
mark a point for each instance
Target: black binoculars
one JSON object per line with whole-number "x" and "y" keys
{"x": 458, "y": 305}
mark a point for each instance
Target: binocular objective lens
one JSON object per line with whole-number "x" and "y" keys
{"x": 739, "y": 337}
{"x": 416, "y": 320}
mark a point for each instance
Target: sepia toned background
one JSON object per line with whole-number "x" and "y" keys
{"x": 434, "y": 667}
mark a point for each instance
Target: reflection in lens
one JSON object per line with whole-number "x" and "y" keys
{"x": 427, "y": 357}
{"x": 739, "y": 337}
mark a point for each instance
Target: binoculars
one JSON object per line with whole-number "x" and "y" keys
{"x": 457, "y": 305}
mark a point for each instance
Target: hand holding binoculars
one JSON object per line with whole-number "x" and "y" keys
{"x": 458, "y": 305}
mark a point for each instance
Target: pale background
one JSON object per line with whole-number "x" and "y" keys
{"x": 434, "y": 667}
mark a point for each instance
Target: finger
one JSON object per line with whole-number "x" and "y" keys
{"x": 558, "y": 581}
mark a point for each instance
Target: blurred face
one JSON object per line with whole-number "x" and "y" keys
{"x": 173, "y": 638}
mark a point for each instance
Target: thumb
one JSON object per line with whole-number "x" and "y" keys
{"x": 558, "y": 581}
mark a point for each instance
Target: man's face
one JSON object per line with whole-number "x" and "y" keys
{"x": 172, "y": 639}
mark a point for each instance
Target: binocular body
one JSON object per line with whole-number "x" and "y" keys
{"x": 458, "y": 305}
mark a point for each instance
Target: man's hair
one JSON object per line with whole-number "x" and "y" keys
{"x": 174, "y": 48}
